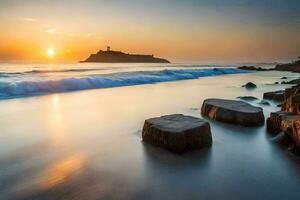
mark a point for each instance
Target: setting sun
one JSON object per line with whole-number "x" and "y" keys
{"x": 50, "y": 52}
{"x": 150, "y": 99}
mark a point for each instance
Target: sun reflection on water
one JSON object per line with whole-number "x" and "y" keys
{"x": 62, "y": 170}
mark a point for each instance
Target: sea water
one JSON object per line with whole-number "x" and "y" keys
{"x": 27, "y": 80}
{"x": 87, "y": 144}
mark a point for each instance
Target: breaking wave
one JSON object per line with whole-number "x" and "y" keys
{"x": 30, "y": 88}
{"x": 50, "y": 71}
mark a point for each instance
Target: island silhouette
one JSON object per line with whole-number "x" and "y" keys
{"x": 110, "y": 56}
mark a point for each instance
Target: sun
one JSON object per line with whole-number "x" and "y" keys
{"x": 50, "y": 52}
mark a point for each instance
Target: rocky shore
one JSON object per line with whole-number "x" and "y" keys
{"x": 180, "y": 133}
{"x": 291, "y": 67}
{"x": 287, "y": 121}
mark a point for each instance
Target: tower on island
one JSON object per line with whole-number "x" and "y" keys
{"x": 108, "y": 48}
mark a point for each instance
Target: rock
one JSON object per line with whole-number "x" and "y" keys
{"x": 294, "y": 81}
{"x": 276, "y": 83}
{"x": 289, "y": 124}
{"x": 295, "y": 135}
{"x": 276, "y": 119}
{"x": 247, "y": 98}
{"x": 264, "y": 102}
{"x": 284, "y": 77}
{"x": 291, "y": 102}
{"x": 231, "y": 111}
{"x": 292, "y": 67}
{"x": 282, "y": 139}
{"x": 287, "y": 120}
{"x": 252, "y": 68}
{"x": 249, "y": 85}
{"x": 274, "y": 96}
{"x": 110, "y": 56}
{"x": 177, "y": 133}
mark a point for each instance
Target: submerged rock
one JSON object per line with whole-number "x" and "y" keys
{"x": 274, "y": 96}
{"x": 284, "y": 77}
{"x": 264, "y": 102}
{"x": 247, "y": 98}
{"x": 177, "y": 133}
{"x": 249, "y": 85}
{"x": 231, "y": 111}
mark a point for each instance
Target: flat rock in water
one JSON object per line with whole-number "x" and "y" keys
{"x": 248, "y": 98}
{"x": 177, "y": 133}
{"x": 234, "y": 112}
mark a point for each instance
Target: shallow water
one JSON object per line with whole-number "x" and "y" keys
{"x": 87, "y": 145}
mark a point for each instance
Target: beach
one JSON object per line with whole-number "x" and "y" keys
{"x": 87, "y": 144}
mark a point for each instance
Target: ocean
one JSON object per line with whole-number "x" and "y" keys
{"x": 72, "y": 132}
{"x": 19, "y": 80}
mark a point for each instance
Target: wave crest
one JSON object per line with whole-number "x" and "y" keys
{"x": 30, "y": 88}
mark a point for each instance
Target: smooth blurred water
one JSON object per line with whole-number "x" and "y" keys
{"x": 87, "y": 145}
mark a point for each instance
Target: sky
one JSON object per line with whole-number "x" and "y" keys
{"x": 179, "y": 30}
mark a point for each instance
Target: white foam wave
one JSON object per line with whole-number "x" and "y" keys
{"x": 29, "y": 88}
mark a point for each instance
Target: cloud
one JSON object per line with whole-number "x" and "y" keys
{"x": 52, "y": 31}
{"x": 28, "y": 19}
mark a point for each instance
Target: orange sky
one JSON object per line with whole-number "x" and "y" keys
{"x": 176, "y": 31}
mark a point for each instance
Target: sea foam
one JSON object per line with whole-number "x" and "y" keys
{"x": 30, "y": 88}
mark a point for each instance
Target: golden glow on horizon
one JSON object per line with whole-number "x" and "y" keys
{"x": 184, "y": 37}
{"x": 50, "y": 52}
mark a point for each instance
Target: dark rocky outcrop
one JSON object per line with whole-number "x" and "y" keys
{"x": 288, "y": 124}
{"x": 120, "y": 57}
{"x": 249, "y": 85}
{"x": 284, "y": 77}
{"x": 177, "y": 133}
{"x": 252, "y": 68}
{"x": 292, "y": 67}
{"x": 280, "y": 121}
{"x": 231, "y": 111}
{"x": 274, "y": 96}
{"x": 291, "y": 102}
{"x": 288, "y": 119}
